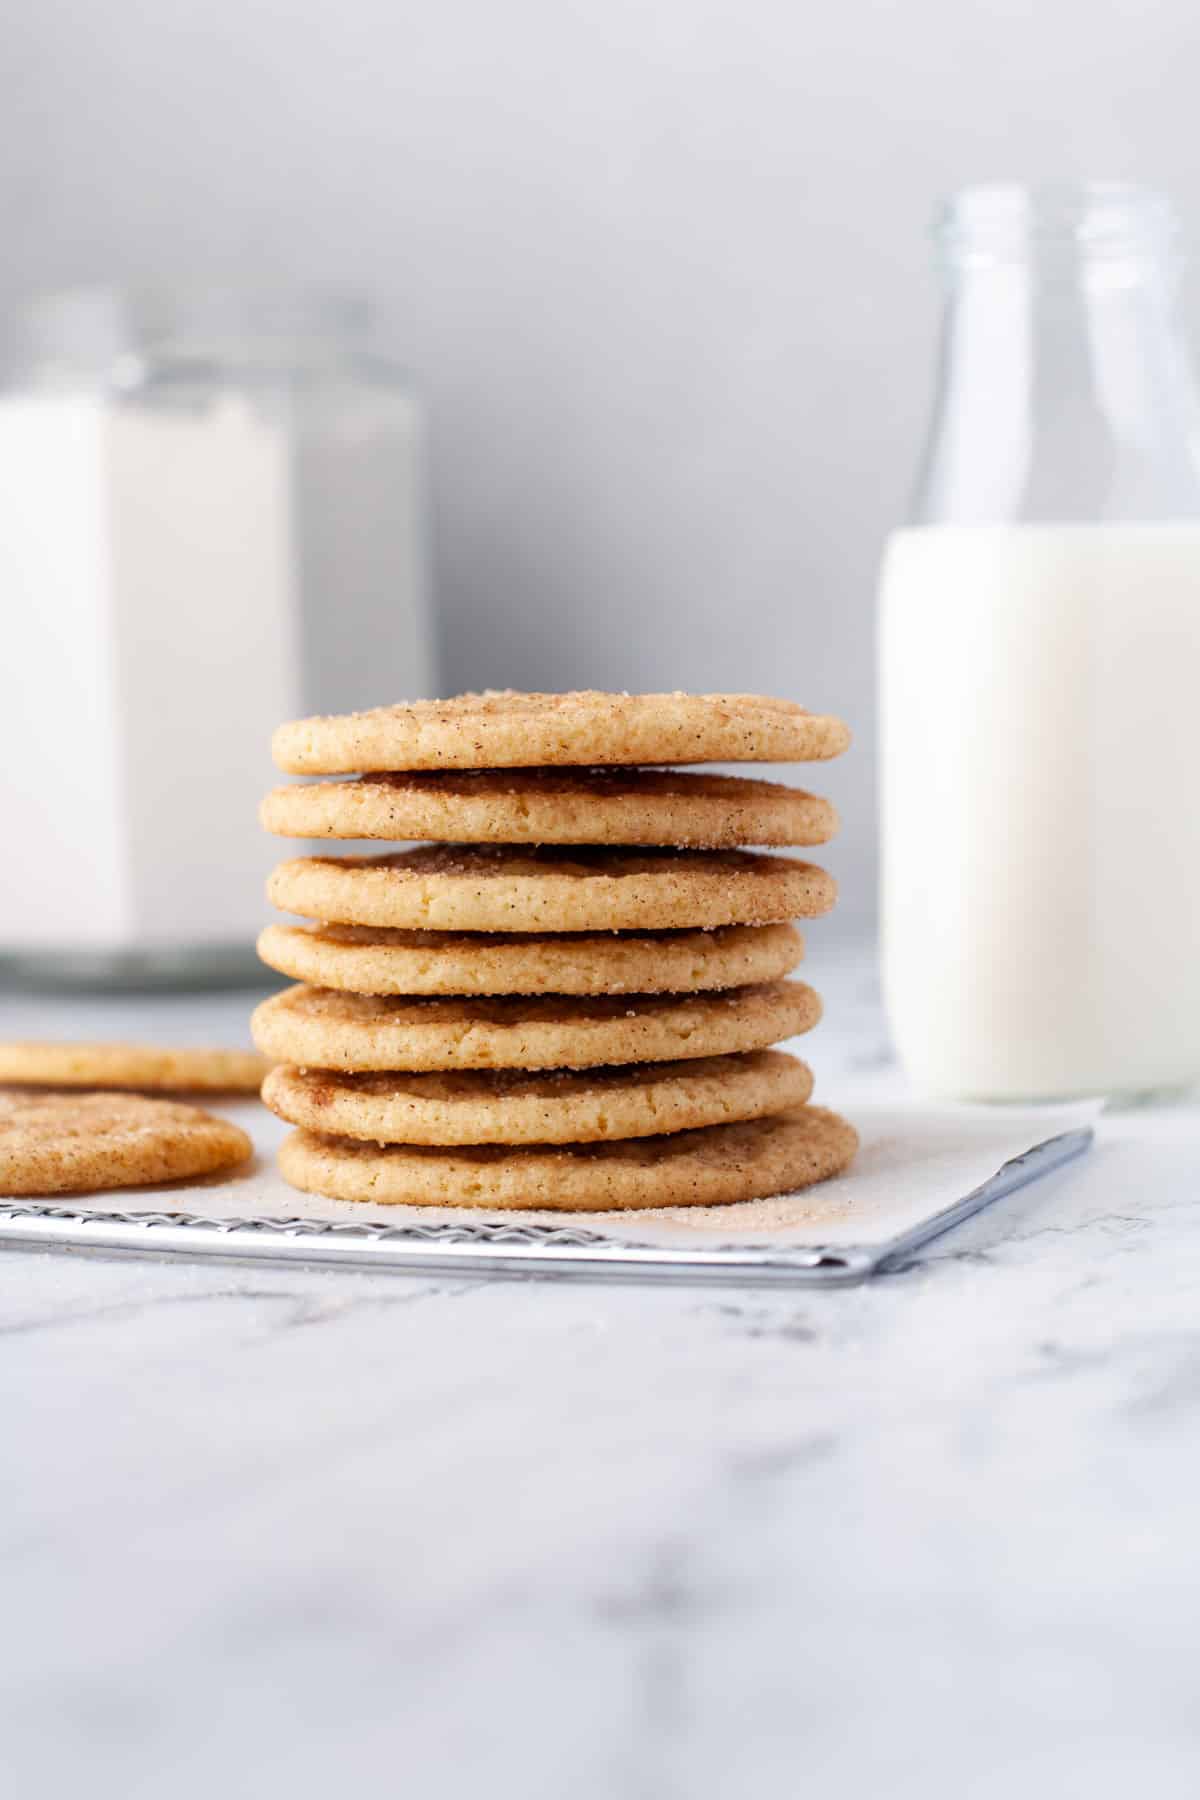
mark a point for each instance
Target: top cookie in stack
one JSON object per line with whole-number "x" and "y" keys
{"x": 567, "y": 998}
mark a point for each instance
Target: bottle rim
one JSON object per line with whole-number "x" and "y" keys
{"x": 93, "y": 330}
{"x": 1013, "y": 221}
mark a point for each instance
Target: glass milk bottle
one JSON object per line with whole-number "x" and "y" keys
{"x": 211, "y": 518}
{"x": 1040, "y": 666}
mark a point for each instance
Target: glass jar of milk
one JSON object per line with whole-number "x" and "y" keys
{"x": 1040, "y": 666}
{"x": 211, "y": 518}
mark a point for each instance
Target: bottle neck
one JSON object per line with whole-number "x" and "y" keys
{"x": 1064, "y": 390}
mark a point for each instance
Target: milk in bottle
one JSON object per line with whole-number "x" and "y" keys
{"x": 1040, "y": 668}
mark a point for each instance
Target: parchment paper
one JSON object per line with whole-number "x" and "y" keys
{"x": 915, "y": 1160}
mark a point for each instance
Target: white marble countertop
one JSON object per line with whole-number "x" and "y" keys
{"x": 285, "y": 1531}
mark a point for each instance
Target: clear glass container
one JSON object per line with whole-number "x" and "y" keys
{"x": 212, "y": 518}
{"x": 1039, "y": 661}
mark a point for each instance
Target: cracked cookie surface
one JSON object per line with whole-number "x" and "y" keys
{"x": 79, "y": 1143}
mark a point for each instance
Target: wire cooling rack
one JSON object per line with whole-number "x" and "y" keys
{"x": 490, "y": 1247}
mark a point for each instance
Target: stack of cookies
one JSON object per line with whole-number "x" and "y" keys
{"x": 566, "y": 996}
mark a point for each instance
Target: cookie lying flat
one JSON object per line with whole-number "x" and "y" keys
{"x": 323, "y": 1029}
{"x": 70, "y": 1144}
{"x": 132, "y": 1066}
{"x": 492, "y": 888}
{"x": 712, "y": 1167}
{"x": 554, "y": 806}
{"x": 565, "y": 1107}
{"x": 372, "y": 960}
{"x": 513, "y": 730}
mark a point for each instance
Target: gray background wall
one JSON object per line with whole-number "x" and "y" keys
{"x": 658, "y": 263}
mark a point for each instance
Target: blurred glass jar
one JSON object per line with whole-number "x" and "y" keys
{"x": 212, "y": 518}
